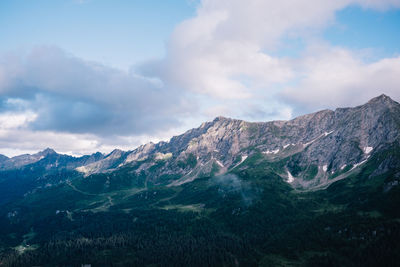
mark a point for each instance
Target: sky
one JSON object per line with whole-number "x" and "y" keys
{"x": 82, "y": 76}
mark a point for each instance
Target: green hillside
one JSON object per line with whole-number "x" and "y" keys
{"x": 248, "y": 216}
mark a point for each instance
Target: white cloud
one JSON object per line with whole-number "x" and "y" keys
{"x": 336, "y": 77}
{"x": 223, "y": 61}
{"x": 225, "y": 53}
{"x": 49, "y": 98}
{"x": 20, "y": 141}
{"x": 379, "y": 4}
{"x": 11, "y": 120}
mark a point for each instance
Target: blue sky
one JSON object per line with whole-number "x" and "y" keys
{"x": 124, "y": 33}
{"x": 119, "y": 33}
{"x": 92, "y": 75}
{"x": 358, "y": 28}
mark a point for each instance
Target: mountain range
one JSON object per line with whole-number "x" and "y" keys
{"x": 318, "y": 190}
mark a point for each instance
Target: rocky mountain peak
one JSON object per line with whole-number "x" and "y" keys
{"x": 221, "y": 118}
{"x": 97, "y": 154}
{"x": 382, "y": 100}
{"x": 47, "y": 151}
{"x": 323, "y": 143}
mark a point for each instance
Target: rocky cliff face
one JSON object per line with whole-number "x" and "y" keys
{"x": 47, "y": 159}
{"x": 317, "y": 148}
{"x": 313, "y": 150}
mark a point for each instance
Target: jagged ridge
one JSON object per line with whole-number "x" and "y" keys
{"x": 317, "y": 148}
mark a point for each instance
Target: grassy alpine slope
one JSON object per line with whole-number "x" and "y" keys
{"x": 249, "y": 216}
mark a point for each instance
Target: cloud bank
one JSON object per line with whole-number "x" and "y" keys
{"x": 336, "y": 77}
{"x": 229, "y": 51}
{"x": 226, "y": 60}
{"x": 70, "y": 95}
{"x": 51, "y": 98}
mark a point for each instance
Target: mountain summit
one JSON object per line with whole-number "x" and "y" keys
{"x": 383, "y": 100}
{"x": 312, "y": 150}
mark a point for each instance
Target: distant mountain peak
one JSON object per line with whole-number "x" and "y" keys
{"x": 116, "y": 151}
{"x": 381, "y": 99}
{"x": 47, "y": 151}
{"x": 222, "y": 118}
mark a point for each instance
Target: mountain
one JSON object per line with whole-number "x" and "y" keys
{"x": 109, "y": 162}
{"x": 318, "y": 148}
{"x": 48, "y": 155}
{"x": 22, "y": 174}
{"x": 319, "y": 190}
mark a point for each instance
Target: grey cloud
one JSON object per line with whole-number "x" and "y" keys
{"x": 76, "y": 96}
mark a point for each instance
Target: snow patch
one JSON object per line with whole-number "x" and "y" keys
{"x": 243, "y": 159}
{"x": 271, "y": 151}
{"x": 290, "y": 177}
{"x": 325, "y": 168}
{"x": 327, "y": 133}
{"x": 368, "y": 149}
{"x": 285, "y": 146}
{"x": 309, "y": 143}
{"x": 219, "y": 163}
{"x": 360, "y": 163}
{"x": 312, "y": 141}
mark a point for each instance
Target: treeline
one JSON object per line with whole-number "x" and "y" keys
{"x": 160, "y": 247}
{"x": 340, "y": 226}
{"x": 169, "y": 238}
